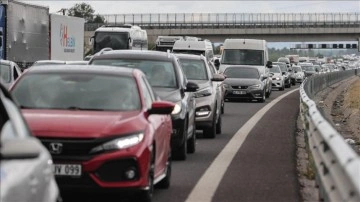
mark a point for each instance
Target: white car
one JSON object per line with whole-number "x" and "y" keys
{"x": 299, "y": 75}
{"x": 278, "y": 80}
{"x": 9, "y": 72}
{"x": 26, "y": 172}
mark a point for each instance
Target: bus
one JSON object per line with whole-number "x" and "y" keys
{"x": 118, "y": 37}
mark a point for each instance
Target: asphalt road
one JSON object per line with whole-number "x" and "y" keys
{"x": 258, "y": 165}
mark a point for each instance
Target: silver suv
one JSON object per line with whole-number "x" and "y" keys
{"x": 209, "y": 95}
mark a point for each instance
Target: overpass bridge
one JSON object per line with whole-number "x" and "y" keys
{"x": 273, "y": 27}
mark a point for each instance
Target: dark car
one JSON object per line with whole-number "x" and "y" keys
{"x": 209, "y": 95}
{"x": 309, "y": 70}
{"x": 165, "y": 75}
{"x": 102, "y": 125}
{"x": 244, "y": 83}
{"x": 285, "y": 73}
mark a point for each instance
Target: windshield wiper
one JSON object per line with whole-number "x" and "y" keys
{"x": 81, "y": 108}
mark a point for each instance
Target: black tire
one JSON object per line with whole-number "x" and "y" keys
{"x": 218, "y": 125}
{"x": 282, "y": 87}
{"x": 223, "y": 107}
{"x": 146, "y": 195}
{"x": 210, "y": 132}
{"x": 267, "y": 94}
{"x": 165, "y": 183}
{"x": 180, "y": 153}
{"x": 263, "y": 97}
{"x": 191, "y": 143}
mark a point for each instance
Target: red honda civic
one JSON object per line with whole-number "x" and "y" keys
{"x": 104, "y": 126}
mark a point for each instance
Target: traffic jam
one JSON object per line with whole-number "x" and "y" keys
{"x": 117, "y": 120}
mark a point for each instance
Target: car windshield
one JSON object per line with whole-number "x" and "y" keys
{"x": 275, "y": 69}
{"x": 308, "y": 68}
{"x": 159, "y": 73}
{"x": 114, "y": 40}
{"x": 77, "y": 91}
{"x": 5, "y": 73}
{"x": 239, "y": 72}
{"x": 194, "y": 69}
{"x": 282, "y": 67}
{"x": 297, "y": 69}
{"x": 243, "y": 57}
{"x": 192, "y": 52}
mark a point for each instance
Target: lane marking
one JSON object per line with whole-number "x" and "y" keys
{"x": 207, "y": 185}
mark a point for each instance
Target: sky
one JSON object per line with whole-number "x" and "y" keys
{"x": 122, "y": 7}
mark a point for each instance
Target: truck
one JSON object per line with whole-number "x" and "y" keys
{"x": 294, "y": 59}
{"x": 164, "y": 43}
{"x": 119, "y": 37}
{"x": 28, "y": 33}
{"x": 24, "y": 32}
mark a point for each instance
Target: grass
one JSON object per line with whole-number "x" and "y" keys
{"x": 352, "y": 98}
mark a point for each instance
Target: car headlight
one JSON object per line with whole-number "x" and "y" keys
{"x": 120, "y": 143}
{"x": 226, "y": 85}
{"x": 256, "y": 86}
{"x": 204, "y": 92}
{"x": 177, "y": 108}
{"x": 277, "y": 78}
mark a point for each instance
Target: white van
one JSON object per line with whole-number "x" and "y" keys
{"x": 203, "y": 47}
{"x": 247, "y": 53}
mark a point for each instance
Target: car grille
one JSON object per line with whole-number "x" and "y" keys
{"x": 240, "y": 87}
{"x": 73, "y": 148}
{"x": 114, "y": 171}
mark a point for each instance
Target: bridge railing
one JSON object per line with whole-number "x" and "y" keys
{"x": 337, "y": 164}
{"x": 231, "y": 20}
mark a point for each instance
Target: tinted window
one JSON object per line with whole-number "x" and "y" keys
{"x": 5, "y": 73}
{"x": 77, "y": 91}
{"x": 243, "y": 57}
{"x": 283, "y": 67}
{"x": 194, "y": 69}
{"x": 159, "y": 73}
{"x": 192, "y": 52}
{"x": 114, "y": 40}
{"x": 242, "y": 73}
{"x": 275, "y": 69}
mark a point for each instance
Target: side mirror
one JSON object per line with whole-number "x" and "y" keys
{"x": 191, "y": 87}
{"x": 269, "y": 64}
{"x": 217, "y": 63}
{"x": 218, "y": 77}
{"x": 289, "y": 70}
{"x": 91, "y": 40}
{"x": 161, "y": 107}
{"x": 271, "y": 74}
{"x": 283, "y": 73}
{"x": 295, "y": 72}
{"x": 264, "y": 77}
{"x": 20, "y": 149}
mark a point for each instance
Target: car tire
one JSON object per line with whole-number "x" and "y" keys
{"x": 263, "y": 97}
{"x": 282, "y": 87}
{"x": 210, "y": 132}
{"x": 218, "y": 125}
{"x": 165, "y": 183}
{"x": 180, "y": 153}
{"x": 267, "y": 94}
{"x": 191, "y": 143}
{"x": 146, "y": 195}
{"x": 223, "y": 107}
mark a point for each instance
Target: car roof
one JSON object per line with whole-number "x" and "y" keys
{"x": 99, "y": 69}
{"x": 189, "y": 56}
{"x": 136, "y": 54}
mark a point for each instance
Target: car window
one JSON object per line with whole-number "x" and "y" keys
{"x": 159, "y": 73}
{"x": 275, "y": 69}
{"x": 245, "y": 73}
{"x": 5, "y": 73}
{"x": 194, "y": 69}
{"x": 147, "y": 95}
{"x": 243, "y": 57}
{"x": 78, "y": 91}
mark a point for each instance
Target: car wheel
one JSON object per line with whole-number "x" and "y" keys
{"x": 146, "y": 195}
{"x": 180, "y": 153}
{"x": 218, "y": 125}
{"x": 222, "y": 107}
{"x": 210, "y": 132}
{"x": 267, "y": 94}
{"x": 282, "y": 87}
{"x": 191, "y": 143}
{"x": 165, "y": 183}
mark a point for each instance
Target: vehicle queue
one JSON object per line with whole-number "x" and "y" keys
{"x": 117, "y": 122}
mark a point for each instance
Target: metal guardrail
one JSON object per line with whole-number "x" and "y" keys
{"x": 337, "y": 164}
{"x": 231, "y": 20}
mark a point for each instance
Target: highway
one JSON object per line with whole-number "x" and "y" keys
{"x": 263, "y": 167}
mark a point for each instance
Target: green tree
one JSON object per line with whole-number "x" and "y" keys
{"x": 82, "y": 10}
{"x": 98, "y": 19}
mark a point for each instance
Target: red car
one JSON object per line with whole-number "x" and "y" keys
{"x": 103, "y": 126}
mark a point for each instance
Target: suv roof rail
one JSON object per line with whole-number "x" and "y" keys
{"x": 103, "y": 50}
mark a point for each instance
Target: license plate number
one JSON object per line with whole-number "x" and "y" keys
{"x": 67, "y": 169}
{"x": 239, "y": 92}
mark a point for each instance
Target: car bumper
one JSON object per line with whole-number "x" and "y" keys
{"x": 105, "y": 172}
{"x": 247, "y": 94}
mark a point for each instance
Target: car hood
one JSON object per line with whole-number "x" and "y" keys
{"x": 168, "y": 94}
{"x": 241, "y": 82}
{"x": 82, "y": 124}
{"x": 224, "y": 66}
{"x": 277, "y": 75}
{"x": 202, "y": 83}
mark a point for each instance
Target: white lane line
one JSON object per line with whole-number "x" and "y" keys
{"x": 210, "y": 180}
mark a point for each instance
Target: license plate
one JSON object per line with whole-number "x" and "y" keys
{"x": 239, "y": 92}
{"x": 67, "y": 169}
